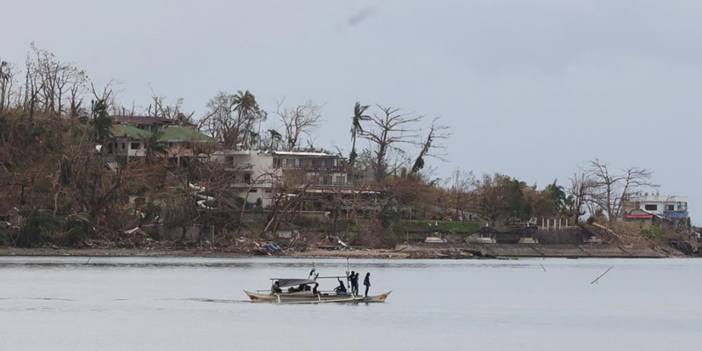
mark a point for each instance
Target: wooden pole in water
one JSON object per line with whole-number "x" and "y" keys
{"x": 601, "y": 275}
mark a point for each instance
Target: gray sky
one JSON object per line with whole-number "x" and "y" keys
{"x": 533, "y": 89}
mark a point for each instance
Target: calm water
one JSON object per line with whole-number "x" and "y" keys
{"x": 198, "y": 304}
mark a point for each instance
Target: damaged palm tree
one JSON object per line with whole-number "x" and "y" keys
{"x": 357, "y": 129}
{"x": 432, "y": 146}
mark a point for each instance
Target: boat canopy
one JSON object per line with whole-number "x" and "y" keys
{"x": 293, "y": 282}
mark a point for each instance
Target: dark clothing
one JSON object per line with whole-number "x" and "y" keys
{"x": 341, "y": 289}
{"x": 366, "y": 282}
{"x": 276, "y": 288}
{"x": 354, "y": 283}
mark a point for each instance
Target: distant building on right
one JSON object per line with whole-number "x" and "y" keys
{"x": 640, "y": 205}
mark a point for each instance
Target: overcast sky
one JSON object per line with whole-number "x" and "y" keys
{"x": 533, "y": 89}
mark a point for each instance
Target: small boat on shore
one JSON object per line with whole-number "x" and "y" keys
{"x": 304, "y": 291}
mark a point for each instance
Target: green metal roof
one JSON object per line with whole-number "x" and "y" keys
{"x": 128, "y": 131}
{"x": 179, "y": 133}
{"x": 168, "y": 134}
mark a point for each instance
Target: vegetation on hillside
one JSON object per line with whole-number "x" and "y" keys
{"x": 52, "y": 175}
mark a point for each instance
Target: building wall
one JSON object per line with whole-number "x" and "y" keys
{"x": 247, "y": 167}
{"x": 290, "y": 168}
{"x": 671, "y": 207}
{"x": 658, "y": 204}
{"x": 125, "y": 147}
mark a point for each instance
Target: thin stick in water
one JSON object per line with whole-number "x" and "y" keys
{"x": 601, "y": 275}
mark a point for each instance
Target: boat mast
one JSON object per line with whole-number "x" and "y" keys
{"x": 348, "y": 280}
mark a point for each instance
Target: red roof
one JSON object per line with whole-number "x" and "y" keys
{"x": 638, "y": 216}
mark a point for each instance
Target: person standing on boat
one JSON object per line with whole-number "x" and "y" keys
{"x": 353, "y": 279}
{"x": 366, "y": 282}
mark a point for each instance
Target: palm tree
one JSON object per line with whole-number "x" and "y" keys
{"x": 248, "y": 111}
{"x": 275, "y": 138}
{"x": 356, "y": 128}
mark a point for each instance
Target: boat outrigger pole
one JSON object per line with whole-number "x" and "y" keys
{"x": 348, "y": 280}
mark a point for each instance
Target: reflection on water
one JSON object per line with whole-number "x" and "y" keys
{"x": 81, "y": 303}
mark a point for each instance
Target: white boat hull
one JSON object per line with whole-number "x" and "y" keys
{"x": 310, "y": 298}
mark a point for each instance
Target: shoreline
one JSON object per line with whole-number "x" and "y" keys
{"x": 474, "y": 252}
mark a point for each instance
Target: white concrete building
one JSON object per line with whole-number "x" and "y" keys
{"x": 251, "y": 171}
{"x": 260, "y": 172}
{"x": 665, "y": 206}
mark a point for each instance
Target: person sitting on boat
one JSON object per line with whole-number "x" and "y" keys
{"x": 314, "y": 290}
{"x": 276, "y": 288}
{"x": 341, "y": 289}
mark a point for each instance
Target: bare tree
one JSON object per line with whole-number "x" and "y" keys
{"x": 298, "y": 121}
{"x": 459, "y": 186}
{"x": 579, "y": 194}
{"x": 390, "y": 128}
{"x": 78, "y": 86}
{"x": 49, "y": 85}
{"x": 160, "y": 108}
{"x": 32, "y": 88}
{"x": 612, "y": 190}
{"x": 432, "y": 146}
{"x": 54, "y": 76}
{"x": 263, "y": 178}
{"x": 286, "y": 204}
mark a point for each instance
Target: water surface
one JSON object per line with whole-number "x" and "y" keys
{"x": 77, "y": 303}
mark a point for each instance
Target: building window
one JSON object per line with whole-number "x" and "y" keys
{"x": 670, "y": 207}
{"x": 650, "y": 207}
{"x": 124, "y": 146}
{"x": 247, "y": 178}
{"x": 340, "y": 180}
{"x": 135, "y": 146}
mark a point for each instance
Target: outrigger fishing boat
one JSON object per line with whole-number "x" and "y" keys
{"x": 304, "y": 291}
